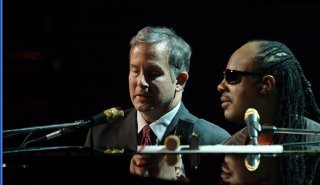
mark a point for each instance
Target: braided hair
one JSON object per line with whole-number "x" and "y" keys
{"x": 296, "y": 101}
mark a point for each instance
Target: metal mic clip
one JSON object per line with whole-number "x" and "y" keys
{"x": 194, "y": 145}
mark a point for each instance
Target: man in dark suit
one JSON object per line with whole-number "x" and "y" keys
{"x": 159, "y": 66}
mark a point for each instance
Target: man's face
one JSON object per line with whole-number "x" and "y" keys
{"x": 150, "y": 79}
{"x": 239, "y": 89}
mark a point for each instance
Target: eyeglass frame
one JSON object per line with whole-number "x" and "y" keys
{"x": 239, "y": 75}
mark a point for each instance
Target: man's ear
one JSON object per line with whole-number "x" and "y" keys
{"x": 182, "y": 79}
{"x": 268, "y": 84}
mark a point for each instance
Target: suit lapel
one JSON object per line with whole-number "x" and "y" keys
{"x": 126, "y": 133}
{"x": 181, "y": 125}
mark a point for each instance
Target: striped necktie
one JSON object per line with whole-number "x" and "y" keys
{"x": 146, "y": 139}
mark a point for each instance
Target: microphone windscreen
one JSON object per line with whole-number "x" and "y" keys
{"x": 172, "y": 142}
{"x": 251, "y": 112}
{"x": 109, "y": 115}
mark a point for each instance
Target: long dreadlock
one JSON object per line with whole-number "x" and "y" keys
{"x": 296, "y": 102}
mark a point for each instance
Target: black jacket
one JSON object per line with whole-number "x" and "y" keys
{"x": 123, "y": 133}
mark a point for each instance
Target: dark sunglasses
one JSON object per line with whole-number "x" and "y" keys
{"x": 234, "y": 77}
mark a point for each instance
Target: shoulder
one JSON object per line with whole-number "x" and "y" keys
{"x": 131, "y": 112}
{"x": 239, "y": 138}
{"x": 311, "y": 124}
{"x": 209, "y": 133}
{"x": 209, "y": 127}
{"x": 314, "y": 126}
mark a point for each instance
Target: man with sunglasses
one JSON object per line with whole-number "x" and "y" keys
{"x": 266, "y": 76}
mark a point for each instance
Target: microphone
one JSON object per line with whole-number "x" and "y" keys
{"x": 252, "y": 161}
{"x": 172, "y": 142}
{"x": 252, "y": 120}
{"x": 108, "y": 116}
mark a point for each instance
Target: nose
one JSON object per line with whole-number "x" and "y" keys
{"x": 142, "y": 81}
{"x": 221, "y": 86}
{"x": 227, "y": 158}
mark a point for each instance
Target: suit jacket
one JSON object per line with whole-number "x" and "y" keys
{"x": 123, "y": 133}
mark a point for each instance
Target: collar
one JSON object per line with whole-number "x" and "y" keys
{"x": 159, "y": 126}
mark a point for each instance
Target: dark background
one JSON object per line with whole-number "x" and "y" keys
{"x": 68, "y": 60}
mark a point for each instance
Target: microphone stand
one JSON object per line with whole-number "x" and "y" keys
{"x": 60, "y": 129}
{"x": 306, "y": 146}
{"x": 13, "y": 132}
{"x": 275, "y": 130}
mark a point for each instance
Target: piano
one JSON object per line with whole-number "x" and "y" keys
{"x": 81, "y": 165}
